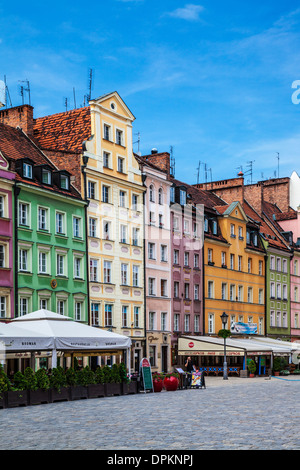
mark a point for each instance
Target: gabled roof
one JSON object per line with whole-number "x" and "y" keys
{"x": 16, "y": 145}
{"x": 63, "y": 132}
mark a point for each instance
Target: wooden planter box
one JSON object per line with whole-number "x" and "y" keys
{"x": 78, "y": 392}
{"x": 37, "y": 397}
{"x": 113, "y": 389}
{"x": 3, "y": 403}
{"x": 17, "y": 398}
{"x": 60, "y": 395}
{"x": 130, "y": 388}
{"x": 96, "y": 390}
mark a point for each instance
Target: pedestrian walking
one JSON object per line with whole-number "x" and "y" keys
{"x": 202, "y": 380}
{"x": 189, "y": 370}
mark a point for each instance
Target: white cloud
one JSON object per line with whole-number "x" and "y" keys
{"x": 190, "y": 12}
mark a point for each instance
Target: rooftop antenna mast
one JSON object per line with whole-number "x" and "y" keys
{"x": 74, "y": 97}
{"x": 25, "y": 89}
{"x": 138, "y": 141}
{"x": 278, "y": 158}
{"x": 172, "y": 162}
{"x": 66, "y": 104}
{"x": 90, "y": 85}
{"x": 250, "y": 171}
{"x": 7, "y": 95}
{"x": 198, "y": 172}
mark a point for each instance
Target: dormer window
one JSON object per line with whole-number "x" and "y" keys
{"x": 46, "y": 176}
{"x": 182, "y": 197}
{"x": 172, "y": 194}
{"x": 64, "y": 182}
{"x": 27, "y": 170}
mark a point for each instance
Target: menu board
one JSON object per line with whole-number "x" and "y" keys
{"x": 145, "y": 370}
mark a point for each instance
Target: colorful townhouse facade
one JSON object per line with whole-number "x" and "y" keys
{"x": 158, "y": 263}
{"x": 49, "y": 237}
{"x": 7, "y": 227}
{"x": 95, "y": 144}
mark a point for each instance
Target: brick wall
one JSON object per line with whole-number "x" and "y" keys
{"x": 19, "y": 116}
{"x": 68, "y": 162}
{"x": 161, "y": 160}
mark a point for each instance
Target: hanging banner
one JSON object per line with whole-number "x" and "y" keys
{"x": 145, "y": 372}
{"x": 243, "y": 328}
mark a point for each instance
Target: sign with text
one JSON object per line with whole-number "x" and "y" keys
{"x": 145, "y": 371}
{"x": 244, "y": 328}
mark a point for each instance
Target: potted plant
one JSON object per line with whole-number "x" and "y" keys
{"x": 40, "y": 393}
{"x": 113, "y": 387}
{"x": 252, "y": 368}
{"x": 276, "y": 365}
{"x": 84, "y": 377}
{"x": 5, "y": 386}
{"x": 171, "y": 382}
{"x": 97, "y": 389}
{"x": 60, "y": 391}
{"x": 18, "y": 394}
{"x": 158, "y": 382}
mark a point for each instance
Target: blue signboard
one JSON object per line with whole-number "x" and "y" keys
{"x": 244, "y": 328}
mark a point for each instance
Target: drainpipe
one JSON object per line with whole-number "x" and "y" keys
{"x": 83, "y": 170}
{"x": 16, "y": 260}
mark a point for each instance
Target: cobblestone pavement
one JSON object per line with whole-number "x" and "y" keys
{"x": 240, "y": 413}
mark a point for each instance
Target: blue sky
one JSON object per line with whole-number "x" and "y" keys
{"x": 211, "y": 79}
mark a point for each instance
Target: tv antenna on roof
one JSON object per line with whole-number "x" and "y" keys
{"x": 250, "y": 171}
{"x": 278, "y": 158}
{"x": 198, "y": 172}
{"x": 138, "y": 141}
{"x": 22, "y": 89}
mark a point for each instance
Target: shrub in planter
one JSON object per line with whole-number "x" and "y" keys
{"x": 5, "y": 386}
{"x": 30, "y": 379}
{"x": 18, "y": 395}
{"x": 114, "y": 386}
{"x": 84, "y": 377}
{"x": 252, "y": 368}
{"x": 97, "y": 389}
{"x": 71, "y": 376}
{"x": 158, "y": 383}
{"x": 106, "y": 374}
{"x": 42, "y": 393}
{"x": 284, "y": 372}
{"x": 277, "y": 365}
{"x": 58, "y": 384}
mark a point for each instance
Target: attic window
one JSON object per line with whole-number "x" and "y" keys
{"x": 27, "y": 170}
{"x": 182, "y": 197}
{"x": 46, "y": 176}
{"x": 64, "y": 182}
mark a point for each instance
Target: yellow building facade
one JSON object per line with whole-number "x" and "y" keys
{"x": 234, "y": 268}
{"x": 115, "y": 190}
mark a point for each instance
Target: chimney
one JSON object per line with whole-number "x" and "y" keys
{"x": 161, "y": 160}
{"x": 19, "y": 116}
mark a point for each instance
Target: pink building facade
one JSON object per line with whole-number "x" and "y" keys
{"x": 157, "y": 266}
{"x": 290, "y": 222}
{"x": 6, "y": 241}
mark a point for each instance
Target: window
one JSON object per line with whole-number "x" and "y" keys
{"x": 196, "y": 261}
{"x": 92, "y": 227}
{"x": 224, "y": 291}
{"x": 176, "y": 256}
{"x": 296, "y": 294}
{"x": 232, "y": 230}
{"x": 272, "y": 318}
{"x": 135, "y": 236}
{"x": 261, "y": 326}
{"x": 195, "y": 229}
{"x": 160, "y": 220}
{"x": 151, "y": 218}
{"x": 27, "y": 170}
{"x": 106, "y": 159}
{"x": 24, "y": 305}
{"x": 284, "y": 320}
{"x": 241, "y": 233}
{"x": 95, "y": 314}
{"x": 211, "y": 323}
{"x": 176, "y": 223}
{"x": 223, "y": 258}
{"x": 61, "y": 307}
{"x": 250, "y": 295}
{"x": 152, "y": 355}
{"x": 214, "y": 227}
{"x": 232, "y": 292}
{"x": 2, "y": 256}
{"x": 163, "y": 321}
{"x": 296, "y": 267}
{"x": 249, "y": 265}
{"x": 172, "y": 194}
{"x": 284, "y": 265}
{"x": 107, "y": 271}
{"x": 120, "y": 165}
{"x": 106, "y": 230}
{"x": 108, "y": 315}
{"x": 278, "y": 319}
{"x": 205, "y": 224}
{"x": 196, "y": 291}
{"x": 210, "y": 292}
{"x": 60, "y": 223}
{"x": 124, "y": 316}
{"x": 284, "y": 292}
{"x": 176, "y": 321}
{"x": 124, "y": 274}
{"x": 151, "y": 193}
{"x": 182, "y": 197}
{"x": 210, "y": 255}
{"x": 135, "y": 276}
{"x": 123, "y": 234}
{"x": 231, "y": 261}
{"x": 105, "y": 194}
{"x": 278, "y": 291}
{"x": 23, "y": 259}
{"x": 240, "y": 294}
{"x": 119, "y": 137}
{"x": 64, "y": 182}
{"x": 91, "y": 190}
{"x": 260, "y": 268}
{"x": 151, "y": 286}
{"x": 240, "y": 259}
{"x": 272, "y": 290}
{"x": 176, "y": 289}
{"x": 186, "y": 258}
{"x": 260, "y": 296}
{"x": 42, "y": 218}
{"x": 77, "y": 267}
{"x": 278, "y": 264}
{"x": 106, "y": 134}
{"x": 163, "y": 253}
{"x": 2, "y": 206}
{"x": 122, "y": 199}
{"x": 136, "y": 316}
{"x": 60, "y": 264}
{"x": 2, "y": 306}
{"x": 186, "y": 290}
{"x": 272, "y": 262}
{"x": 163, "y": 288}
{"x": 78, "y": 311}
{"x": 76, "y": 227}
{"x": 44, "y": 304}
{"x": 151, "y": 250}
{"x": 160, "y": 196}
{"x": 134, "y": 202}
{"x": 23, "y": 214}
{"x": 196, "y": 323}
{"x": 152, "y": 320}
{"x": 94, "y": 270}
{"x": 186, "y": 323}
{"x": 43, "y": 262}
{"x": 186, "y": 226}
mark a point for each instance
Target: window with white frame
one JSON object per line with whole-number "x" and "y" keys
{"x": 260, "y": 268}
{"x": 210, "y": 290}
{"x": 232, "y": 292}
{"x": 176, "y": 321}
{"x": 278, "y": 291}
{"x": 223, "y": 258}
{"x": 196, "y": 260}
{"x": 3, "y": 306}
{"x": 27, "y": 170}
{"x": 284, "y": 292}
{"x": 78, "y": 267}
{"x": 107, "y": 230}
{"x": 61, "y": 306}
{"x": 106, "y": 159}
{"x": 240, "y": 293}
{"x": 60, "y": 223}
{"x": 176, "y": 257}
{"x": 272, "y": 262}
{"x": 240, "y": 261}
{"x": 224, "y": 291}
{"x": 163, "y": 288}
{"x": 2, "y": 206}
{"x": 176, "y": 289}
{"x": 172, "y": 194}
{"x": 122, "y": 198}
{"x": 119, "y": 137}
{"x": 163, "y": 321}
{"x": 151, "y": 193}
{"x": 211, "y": 323}
{"x": 43, "y": 262}
{"x": 24, "y": 259}
{"x": 196, "y": 323}
{"x": 250, "y": 295}
{"x": 182, "y": 197}
{"x": 136, "y": 317}
{"x": 123, "y": 233}
{"x": 152, "y": 322}
{"x": 272, "y": 290}
{"x": 249, "y": 265}
{"x": 151, "y": 286}
{"x": 77, "y": 231}
{"x": 186, "y": 258}
{"x": 43, "y": 302}
{"x": 296, "y": 267}
{"x": 209, "y": 255}
{"x": 260, "y": 296}
{"x": 106, "y": 132}
{"x": 135, "y": 275}
{"x": 260, "y": 326}
{"x": 93, "y": 270}
{"x": 152, "y": 355}
{"x": 24, "y": 214}
{"x": 105, "y": 193}
{"x": 231, "y": 261}
{"x": 78, "y": 310}
{"x": 278, "y": 264}
{"x": 124, "y": 274}
{"x": 135, "y": 236}
{"x": 121, "y": 165}
{"x": 186, "y": 323}
{"x": 107, "y": 272}
{"x": 284, "y": 320}
{"x": 232, "y": 230}
{"x": 61, "y": 264}
{"x": 64, "y": 182}
{"x": 91, "y": 190}
{"x": 43, "y": 218}
{"x": 92, "y": 227}
{"x": 272, "y": 318}
{"x": 196, "y": 291}
{"x": 284, "y": 265}
{"x": 2, "y": 256}
{"x": 151, "y": 250}
{"x": 186, "y": 290}
{"x": 108, "y": 315}
{"x": 135, "y": 200}
{"x": 278, "y": 319}
{"x": 95, "y": 316}
{"x": 24, "y": 305}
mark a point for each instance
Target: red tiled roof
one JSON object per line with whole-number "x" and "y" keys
{"x": 15, "y": 144}
{"x": 63, "y": 131}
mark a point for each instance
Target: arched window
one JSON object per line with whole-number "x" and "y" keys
{"x": 151, "y": 193}
{"x": 160, "y": 196}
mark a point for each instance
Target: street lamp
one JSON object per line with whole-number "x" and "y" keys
{"x": 224, "y": 318}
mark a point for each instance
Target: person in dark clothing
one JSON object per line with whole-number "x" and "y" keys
{"x": 189, "y": 369}
{"x": 202, "y": 380}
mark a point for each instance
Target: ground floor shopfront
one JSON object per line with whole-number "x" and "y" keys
{"x": 207, "y": 354}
